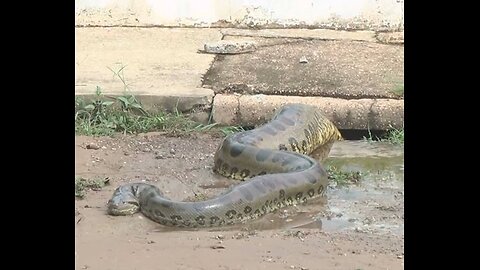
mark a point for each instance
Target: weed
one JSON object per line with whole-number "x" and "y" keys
{"x": 395, "y": 136}
{"x": 125, "y": 114}
{"x": 83, "y": 184}
{"x": 342, "y": 178}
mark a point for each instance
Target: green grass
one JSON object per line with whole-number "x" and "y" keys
{"x": 105, "y": 116}
{"x": 393, "y": 135}
{"x": 83, "y": 184}
{"x": 343, "y": 178}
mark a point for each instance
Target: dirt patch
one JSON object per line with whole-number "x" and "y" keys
{"x": 333, "y": 68}
{"x": 356, "y": 229}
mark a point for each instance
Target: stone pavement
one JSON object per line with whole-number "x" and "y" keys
{"x": 356, "y": 78}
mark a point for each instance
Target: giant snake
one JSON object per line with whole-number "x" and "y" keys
{"x": 273, "y": 157}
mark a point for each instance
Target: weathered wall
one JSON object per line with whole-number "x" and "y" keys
{"x": 341, "y": 14}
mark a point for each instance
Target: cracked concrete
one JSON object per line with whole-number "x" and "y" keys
{"x": 349, "y": 75}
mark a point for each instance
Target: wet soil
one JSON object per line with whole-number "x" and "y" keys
{"x": 358, "y": 226}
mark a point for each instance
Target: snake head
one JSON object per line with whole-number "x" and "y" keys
{"x": 123, "y": 204}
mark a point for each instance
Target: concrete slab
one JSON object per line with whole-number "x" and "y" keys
{"x": 253, "y": 110}
{"x": 336, "y": 68}
{"x": 158, "y": 65}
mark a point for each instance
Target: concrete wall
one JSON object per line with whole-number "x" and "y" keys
{"x": 338, "y": 14}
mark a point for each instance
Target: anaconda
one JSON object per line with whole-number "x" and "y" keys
{"x": 273, "y": 157}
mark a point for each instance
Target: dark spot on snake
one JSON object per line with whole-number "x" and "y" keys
{"x": 214, "y": 219}
{"x": 230, "y": 222}
{"x": 233, "y": 171}
{"x": 287, "y": 121}
{"x": 281, "y": 194}
{"x": 159, "y": 213}
{"x": 262, "y": 155}
{"x": 304, "y": 200}
{"x": 281, "y": 147}
{"x": 290, "y": 200}
{"x": 239, "y": 216}
{"x": 277, "y": 125}
{"x": 257, "y": 212}
{"x": 222, "y": 222}
{"x": 279, "y": 205}
{"x": 162, "y": 221}
{"x": 262, "y": 173}
{"x": 244, "y": 173}
{"x": 268, "y": 130}
{"x": 176, "y": 217}
{"x": 299, "y": 196}
{"x": 304, "y": 146}
{"x": 320, "y": 189}
{"x": 200, "y": 220}
{"x": 230, "y": 214}
{"x": 293, "y": 143}
{"x": 311, "y": 192}
{"x": 236, "y": 149}
{"x": 264, "y": 209}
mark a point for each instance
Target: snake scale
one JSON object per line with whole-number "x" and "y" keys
{"x": 272, "y": 156}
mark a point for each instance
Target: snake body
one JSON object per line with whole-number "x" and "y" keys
{"x": 274, "y": 159}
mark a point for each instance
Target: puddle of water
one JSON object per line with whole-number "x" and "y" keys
{"x": 347, "y": 207}
{"x": 382, "y": 168}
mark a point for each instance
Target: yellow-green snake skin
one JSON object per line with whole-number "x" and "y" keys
{"x": 274, "y": 159}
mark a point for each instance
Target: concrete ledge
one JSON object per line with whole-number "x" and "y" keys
{"x": 183, "y": 101}
{"x": 321, "y": 34}
{"x": 357, "y": 114}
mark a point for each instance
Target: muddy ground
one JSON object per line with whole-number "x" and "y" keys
{"x": 359, "y": 226}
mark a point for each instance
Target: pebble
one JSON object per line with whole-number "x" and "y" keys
{"x": 92, "y": 146}
{"x": 303, "y": 60}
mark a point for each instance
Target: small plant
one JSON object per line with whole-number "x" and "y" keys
{"x": 342, "y": 178}
{"x": 106, "y": 115}
{"x": 231, "y": 129}
{"x": 83, "y": 184}
{"x": 395, "y": 136}
{"x": 126, "y": 115}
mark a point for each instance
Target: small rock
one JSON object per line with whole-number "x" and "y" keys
{"x": 217, "y": 247}
{"x": 399, "y": 257}
{"x": 172, "y": 151}
{"x": 159, "y": 156}
{"x": 92, "y": 146}
{"x": 303, "y": 60}
{"x": 230, "y": 46}
{"x": 150, "y": 242}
